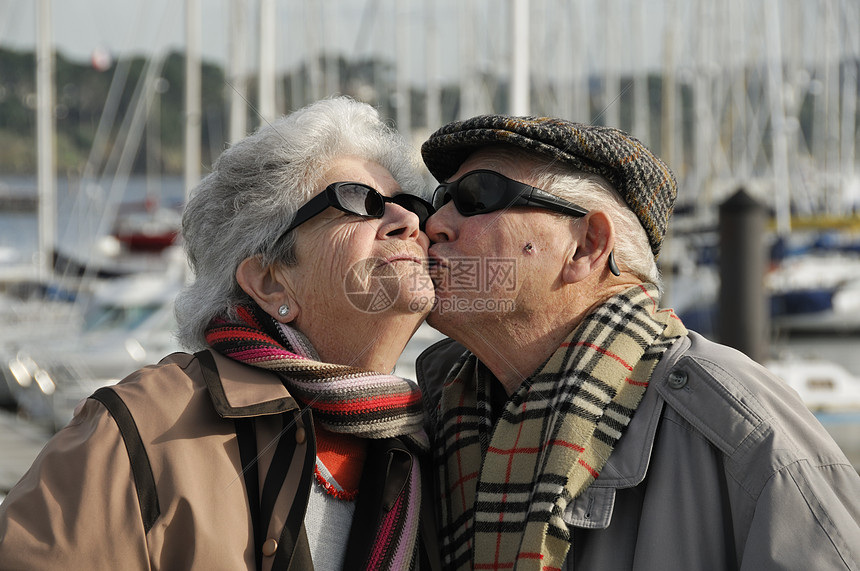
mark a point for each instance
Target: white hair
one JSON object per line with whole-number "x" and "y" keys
{"x": 255, "y": 188}
{"x": 592, "y": 192}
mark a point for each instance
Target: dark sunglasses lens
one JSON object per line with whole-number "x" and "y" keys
{"x": 441, "y": 197}
{"x": 412, "y": 203}
{"x": 480, "y": 192}
{"x": 475, "y": 193}
{"x": 361, "y": 200}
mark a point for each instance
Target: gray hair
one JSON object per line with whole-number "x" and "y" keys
{"x": 593, "y": 192}
{"x": 254, "y": 190}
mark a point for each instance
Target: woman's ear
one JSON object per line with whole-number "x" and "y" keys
{"x": 595, "y": 240}
{"x": 267, "y": 287}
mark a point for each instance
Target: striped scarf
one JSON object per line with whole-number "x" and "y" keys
{"x": 504, "y": 489}
{"x": 344, "y": 400}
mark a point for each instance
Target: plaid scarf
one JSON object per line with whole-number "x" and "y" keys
{"x": 504, "y": 490}
{"x": 344, "y": 400}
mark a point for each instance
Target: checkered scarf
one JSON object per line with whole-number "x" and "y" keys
{"x": 504, "y": 490}
{"x": 346, "y": 400}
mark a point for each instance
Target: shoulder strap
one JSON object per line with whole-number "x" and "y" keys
{"x": 292, "y": 551}
{"x": 141, "y": 469}
{"x": 246, "y": 436}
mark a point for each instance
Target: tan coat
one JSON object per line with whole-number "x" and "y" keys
{"x": 78, "y": 506}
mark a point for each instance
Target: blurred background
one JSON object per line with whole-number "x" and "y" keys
{"x": 112, "y": 110}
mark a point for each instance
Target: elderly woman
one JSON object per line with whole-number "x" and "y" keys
{"x": 285, "y": 441}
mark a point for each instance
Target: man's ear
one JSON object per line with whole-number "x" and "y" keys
{"x": 266, "y": 286}
{"x": 595, "y": 240}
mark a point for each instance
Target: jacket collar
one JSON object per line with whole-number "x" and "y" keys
{"x": 240, "y": 391}
{"x": 628, "y": 463}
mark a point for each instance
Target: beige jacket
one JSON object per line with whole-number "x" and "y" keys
{"x": 82, "y": 505}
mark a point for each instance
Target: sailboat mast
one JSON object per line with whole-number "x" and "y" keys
{"x": 403, "y": 109}
{"x": 519, "y": 88}
{"x": 434, "y": 98}
{"x": 238, "y": 75}
{"x": 192, "y": 94}
{"x": 266, "y": 78}
{"x": 45, "y": 175}
{"x": 782, "y": 196}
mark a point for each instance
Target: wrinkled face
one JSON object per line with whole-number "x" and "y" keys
{"x": 496, "y": 265}
{"x": 351, "y": 267}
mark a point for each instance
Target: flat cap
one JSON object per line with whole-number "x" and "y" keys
{"x": 644, "y": 181}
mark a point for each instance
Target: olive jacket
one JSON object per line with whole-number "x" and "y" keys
{"x": 721, "y": 467}
{"x": 176, "y": 496}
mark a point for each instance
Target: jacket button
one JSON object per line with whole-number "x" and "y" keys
{"x": 269, "y": 547}
{"x": 300, "y": 435}
{"x": 677, "y": 379}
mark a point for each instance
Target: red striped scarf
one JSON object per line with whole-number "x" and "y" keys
{"x": 504, "y": 489}
{"x": 345, "y": 400}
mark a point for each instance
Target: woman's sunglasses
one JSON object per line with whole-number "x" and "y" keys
{"x": 361, "y": 200}
{"x": 482, "y": 191}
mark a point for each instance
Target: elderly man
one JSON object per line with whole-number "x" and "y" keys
{"x": 578, "y": 424}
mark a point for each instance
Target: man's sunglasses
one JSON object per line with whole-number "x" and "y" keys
{"x": 483, "y": 191}
{"x": 361, "y": 200}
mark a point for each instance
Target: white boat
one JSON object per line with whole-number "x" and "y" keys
{"x": 831, "y": 392}
{"x": 816, "y": 292}
{"x": 130, "y": 324}
{"x": 26, "y": 322}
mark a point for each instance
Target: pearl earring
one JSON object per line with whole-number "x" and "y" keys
{"x": 283, "y": 310}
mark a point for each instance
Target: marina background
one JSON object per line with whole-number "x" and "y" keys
{"x": 756, "y": 95}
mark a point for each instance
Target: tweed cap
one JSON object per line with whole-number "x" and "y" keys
{"x": 644, "y": 181}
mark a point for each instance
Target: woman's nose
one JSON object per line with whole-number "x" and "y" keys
{"x": 399, "y": 222}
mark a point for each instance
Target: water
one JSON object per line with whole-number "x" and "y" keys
{"x": 85, "y": 211}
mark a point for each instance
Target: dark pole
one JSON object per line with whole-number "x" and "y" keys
{"x": 743, "y": 321}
